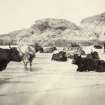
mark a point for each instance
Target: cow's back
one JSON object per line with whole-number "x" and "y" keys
{"x": 4, "y": 54}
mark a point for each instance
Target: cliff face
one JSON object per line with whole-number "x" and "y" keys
{"x": 46, "y": 31}
{"x": 50, "y": 31}
{"x": 60, "y": 32}
{"x": 95, "y": 24}
{"x": 96, "y": 20}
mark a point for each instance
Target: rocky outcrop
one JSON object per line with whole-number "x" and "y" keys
{"x": 59, "y": 32}
{"x": 95, "y": 24}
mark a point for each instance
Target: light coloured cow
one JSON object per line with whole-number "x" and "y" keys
{"x": 28, "y": 53}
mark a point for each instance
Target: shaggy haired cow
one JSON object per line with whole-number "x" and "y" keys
{"x": 89, "y": 64}
{"x": 7, "y": 55}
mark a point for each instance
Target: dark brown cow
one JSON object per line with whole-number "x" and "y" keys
{"x": 88, "y": 64}
{"x": 7, "y": 55}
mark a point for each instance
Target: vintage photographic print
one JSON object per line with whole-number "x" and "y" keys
{"x": 52, "y": 52}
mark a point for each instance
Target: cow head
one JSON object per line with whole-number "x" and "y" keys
{"x": 95, "y": 55}
{"x": 15, "y": 54}
{"x": 62, "y": 54}
{"x": 39, "y": 48}
{"x": 76, "y": 59}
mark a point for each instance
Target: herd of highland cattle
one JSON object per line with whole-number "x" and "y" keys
{"x": 26, "y": 53}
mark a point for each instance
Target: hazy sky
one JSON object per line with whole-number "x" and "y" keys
{"x": 17, "y": 14}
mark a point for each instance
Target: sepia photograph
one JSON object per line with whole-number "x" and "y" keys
{"x": 52, "y": 52}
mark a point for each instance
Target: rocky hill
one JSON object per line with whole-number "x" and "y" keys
{"x": 59, "y": 32}
{"x": 46, "y": 31}
{"x": 95, "y": 24}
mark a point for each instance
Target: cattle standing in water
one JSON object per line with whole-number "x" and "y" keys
{"x": 28, "y": 54}
{"x": 61, "y": 56}
{"x": 7, "y": 55}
